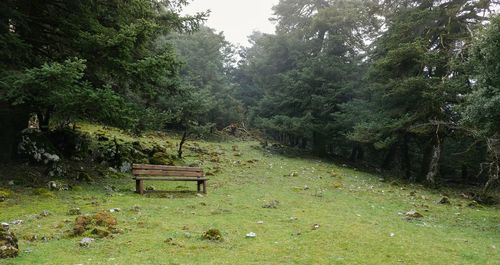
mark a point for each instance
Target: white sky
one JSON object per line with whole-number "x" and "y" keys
{"x": 236, "y": 18}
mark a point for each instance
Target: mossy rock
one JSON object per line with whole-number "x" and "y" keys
{"x": 100, "y": 232}
{"x": 105, "y": 219}
{"x": 44, "y": 192}
{"x": 84, "y": 177}
{"x": 161, "y": 158}
{"x": 212, "y": 235}
{"x": 5, "y": 194}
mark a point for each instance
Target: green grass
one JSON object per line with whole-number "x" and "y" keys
{"x": 356, "y": 212}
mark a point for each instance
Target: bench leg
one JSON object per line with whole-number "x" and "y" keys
{"x": 199, "y": 186}
{"x": 204, "y": 187}
{"x": 139, "y": 186}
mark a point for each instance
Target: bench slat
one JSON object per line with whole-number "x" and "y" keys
{"x": 171, "y": 179}
{"x": 161, "y": 167}
{"x": 166, "y": 173}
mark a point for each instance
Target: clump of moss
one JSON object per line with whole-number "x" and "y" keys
{"x": 43, "y": 192}
{"x": 161, "y": 158}
{"x": 5, "y": 194}
{"x": 212, "y": 235}
{"x": 100, "y": 225}
{"x": 105, "y": 219}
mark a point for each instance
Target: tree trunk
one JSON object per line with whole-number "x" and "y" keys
{"x": 405, "y": 159}
{"x": 433, "y": 171}
{"x": 389, "y": 157}
{"x": 44, "y": 119}
{"x": 183, "y": 140}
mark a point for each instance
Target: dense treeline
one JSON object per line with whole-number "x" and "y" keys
{"x": 410, "y": 87}
{"x": 406, "y": 86}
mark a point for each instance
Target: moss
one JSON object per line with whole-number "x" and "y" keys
{"x": 5, "y": 194}
{"x": 100, "y": 232}
{"x": 213, "y": 235}
{"x": 161, "y": 158}
{"x": 101, "y": 224}
{"x": 44, "y": 192}
{"x": 105, "y": 219}
{"x": 84, "y": 177}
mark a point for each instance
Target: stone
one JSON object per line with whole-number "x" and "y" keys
{"x": 251, "y": 235}
{"x": 17, "y": 222}
{"x": 135, "y": 208}
{"x": 44, "y": 213}
{"x": 444, "y": 200}
{"x": 125, "y": 167}
{"x": 114, "y": 210}
{"x": 74, "y": 211}
{"x": 271, "y": 205}
{"x": 413, "y": 214}
{"x": 213, "y": 235}
{"x": 260, "y": 222}
{"x": 9, "y": 247}
{"x": 85, "y": 242}
{"x": 100, "y": 233}
{"x": 315, "y": 227}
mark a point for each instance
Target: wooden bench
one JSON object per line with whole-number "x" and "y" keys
{"x": 144, "y": 172}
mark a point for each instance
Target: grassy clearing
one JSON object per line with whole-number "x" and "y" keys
{"x": 360, "y": 218}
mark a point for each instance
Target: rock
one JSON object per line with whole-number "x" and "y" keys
{"x": 306, "y": 187}
{"x": 17, "y": 222}
{"x": 74, "y": 211}
{"x": 444, "y": 200}
{"x": 271, "y": 205}
{"x": 114, "y": 210}
{"x": 213, "y": 235}
{"x": 8, "y": 243}
{"x": 413, "y": 214}
{"x": 5, "y": 194}
{"x": 315, "y": 227}
{"x": 52, "y": 185}
{"x": 125, "y": 167}
{"x": 135, "y": 209}
{"x": 44, "y": 213}
{"x": 251, "y": 235}
{"x": 100, "y": 232}
{"x": 473, "y": 204}
{"x": 84, "y": 177}
{"x": 260, "y": 222}
{"x": 85, "y": 242}
{"x": 161, "y": 158}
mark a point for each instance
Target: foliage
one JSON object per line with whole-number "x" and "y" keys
{"x": 88, "y": 60}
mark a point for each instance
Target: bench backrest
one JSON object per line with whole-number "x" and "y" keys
{"x": 166, "y": 171}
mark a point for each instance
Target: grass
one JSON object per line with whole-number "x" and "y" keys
{"x": 355, "y": 211}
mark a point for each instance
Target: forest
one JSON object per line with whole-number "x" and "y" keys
{"x": 407, "y": 90}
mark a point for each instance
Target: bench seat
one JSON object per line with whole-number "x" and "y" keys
{"x": 148, "y": 172}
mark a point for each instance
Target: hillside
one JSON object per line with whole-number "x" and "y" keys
{"x": 302, "y": 210}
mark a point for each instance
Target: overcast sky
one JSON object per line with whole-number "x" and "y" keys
{"x": 236, "y": 18}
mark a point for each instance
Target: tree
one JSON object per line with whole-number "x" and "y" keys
{"x": 414, "y": 82}
{"x": 59, "y": 57}
{"x": 480, "y": 111}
